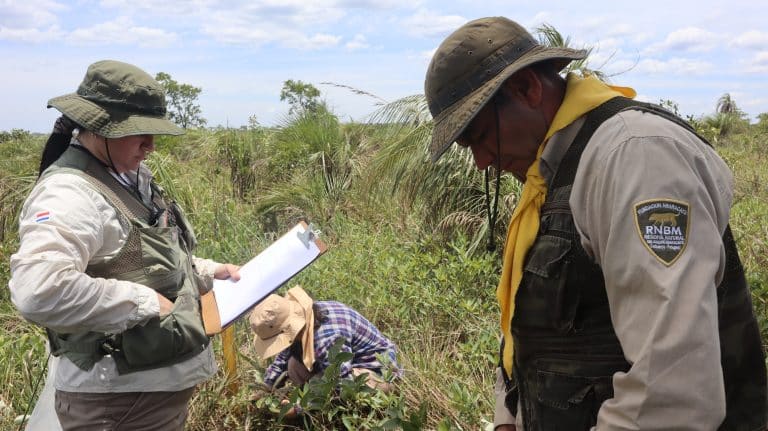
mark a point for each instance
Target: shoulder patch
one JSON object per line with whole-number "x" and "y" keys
{"x": 42, "y": 216}
{"x": 663, "y": 227}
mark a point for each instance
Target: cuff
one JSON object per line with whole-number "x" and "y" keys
{"x": 205, "y": 269}
{"x": 501, "y": 414}
{"x": 147, "y": 305}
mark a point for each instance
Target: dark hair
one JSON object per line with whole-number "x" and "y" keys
{"x": 547, "y": 69}
{"x": 57, "y": 143}
{"x": 320, "y": 315}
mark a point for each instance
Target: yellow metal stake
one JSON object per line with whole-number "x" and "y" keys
{"x": 230, "y": 357}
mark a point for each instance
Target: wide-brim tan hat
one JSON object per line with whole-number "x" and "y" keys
{"x": 469, "y": 67}
{"x": 118, "y": 99}
{"x": 277, "y": 321}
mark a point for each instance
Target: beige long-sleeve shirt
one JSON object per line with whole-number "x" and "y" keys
{"x": 664, "y": 313}
{"x": 64, "y": 225}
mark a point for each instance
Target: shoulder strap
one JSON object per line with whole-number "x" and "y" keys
{"x": 567, "y": 170}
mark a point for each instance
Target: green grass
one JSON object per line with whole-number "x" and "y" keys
{"x": 404, "y": 260}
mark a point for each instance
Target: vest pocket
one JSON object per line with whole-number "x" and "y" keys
{"x": 568, "y": 402}
{"x": 159, "y": 249}
{"x": 171, "y": 339}
{"x": 543, "y": 300}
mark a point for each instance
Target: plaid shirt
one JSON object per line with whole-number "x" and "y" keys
{"x": 361, "y": 338}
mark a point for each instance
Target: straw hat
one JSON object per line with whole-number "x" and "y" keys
{"x": 277, "y": 321}
{"x": 117, "y": 99}
{"x": 470, "y": 66}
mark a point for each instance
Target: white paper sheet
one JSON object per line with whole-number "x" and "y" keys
{"x": 263, "y": 274}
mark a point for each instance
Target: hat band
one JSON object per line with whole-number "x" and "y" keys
{"x": 126, "y": 106}
{"x": 493, "y": 65}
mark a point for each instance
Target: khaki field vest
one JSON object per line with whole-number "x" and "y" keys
{"x": 157, "y": 254}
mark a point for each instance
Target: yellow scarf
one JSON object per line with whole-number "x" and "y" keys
{"x": 581, "y": 96}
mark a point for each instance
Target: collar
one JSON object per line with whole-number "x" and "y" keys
{"x": 582, "y": 94}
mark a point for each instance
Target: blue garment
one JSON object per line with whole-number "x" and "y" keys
{"x": 361, "y": 338}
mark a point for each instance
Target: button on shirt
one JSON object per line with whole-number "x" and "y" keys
{"x": 361, "y": 338}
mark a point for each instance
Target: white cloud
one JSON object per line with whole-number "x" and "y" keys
{"x": 376, "y": 4}
{"x": 674, "y": 66}
{"x": 614, "y": 67}
{"x": 761, "y": 58}
{"x": 121, "y": 31}
{"x": 641, "y": 37}
{"x": 297, "y": 13}
{"x": 752, "y": 39}
{"x": 31, "y": 21}
{"x": 154, "y": 8}
{"x": 759, "y": 63}
{"x": 236, "y": 33}
{"x": 427, "y": 24}
{"x": 29, "y": 14}
{"x": 258, "y": 35}
{"x": 692, "y": 39}
{"x": 605, "y": 26}
{"x": 30, "y": 35}
{"x": 358, "y": 42}
{"x": 292, "y": 23}
{"x": 316, "y": 41}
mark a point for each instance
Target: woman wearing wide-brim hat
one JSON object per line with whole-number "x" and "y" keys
{"x": 105, "y": 261}
{"x": 300, "y": 332}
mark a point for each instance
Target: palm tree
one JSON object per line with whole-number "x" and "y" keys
{"x": 726, "y": 105}
{"x": 549, "y": 36}
{"x": 451, "y": 192}
{"x": 728, "y": 117}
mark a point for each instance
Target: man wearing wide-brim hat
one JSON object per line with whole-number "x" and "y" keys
{"x": 623, "y": 302}
{"x": 299, "y": 332}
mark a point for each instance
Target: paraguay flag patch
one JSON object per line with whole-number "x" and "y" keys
{"x": 663, "y": 227}
{"x": 42, "y": 216}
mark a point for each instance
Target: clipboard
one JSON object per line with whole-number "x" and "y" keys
{"x": 266, "y": 272}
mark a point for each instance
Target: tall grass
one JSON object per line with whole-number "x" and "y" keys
{"x": 403, "y": 238}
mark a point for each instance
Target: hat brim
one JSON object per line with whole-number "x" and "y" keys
{"x": 298, "y": 294}
{"x": 300, "y": 314}
{"x": 268, "y": 347}
{"x": 111, "y": 123}
{"x": 452, "y": 121}
{"x": 272, "y": 346}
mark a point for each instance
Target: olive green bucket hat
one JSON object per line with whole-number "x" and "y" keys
{"x": 117, "y": 99}
{"x": 469, "y": 67}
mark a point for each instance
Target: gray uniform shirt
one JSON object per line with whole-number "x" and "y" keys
{"x": 665, "y": 315}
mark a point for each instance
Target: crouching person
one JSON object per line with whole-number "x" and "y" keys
{"x": 301, "y": 332}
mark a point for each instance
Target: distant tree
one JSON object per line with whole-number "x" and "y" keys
{"x": 670, "y": 105}
{"x": 762, "y": 120}
{"x": 302, "y": 97}
{"x": 726, "y": 105}
{"x": 182, "y": 102}
{"x": 14, "y": 135}
{"x": 728, "y": 119}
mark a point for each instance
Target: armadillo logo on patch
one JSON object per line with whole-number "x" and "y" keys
{"x": 663, "y": 227}
{"x": 42, "y": 216}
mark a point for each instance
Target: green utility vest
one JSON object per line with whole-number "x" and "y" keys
{"x": 157, "y": 254}
{"x": 566, "y": 350}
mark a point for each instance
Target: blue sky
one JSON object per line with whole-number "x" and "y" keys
{"x": 240, "y": 52}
